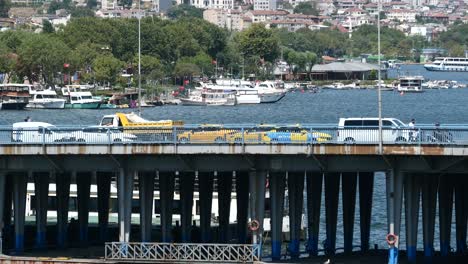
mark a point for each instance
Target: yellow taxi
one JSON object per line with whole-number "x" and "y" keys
{"x": 264, "y": 134}
{"x": 206, "y": 134}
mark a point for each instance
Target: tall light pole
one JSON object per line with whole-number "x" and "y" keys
{"x": 139, "y": 58}
{"x": 379, "y": 85}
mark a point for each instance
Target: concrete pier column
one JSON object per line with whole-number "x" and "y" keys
{"x": 445, "y": 212}
{"x": 348, "y": 185}
{"x": 146, "y": 189}
{"x": 224, "y": 204}
{"x": 429, "y": 200}
{"x": 205, "y": 186}
{"x": 314, "y": 182}
{"x": 257, "y": 181}
{"x": 41, "y": 191}
{"x": 394, "y": 190}
{"x": 125, "y": 195}
{"x": 332, "y": 186}
{"x": 296, "y": 200}
{"x": 63, "y": 196}
{"x": 242, "y": 199}
{"x": 20, "y": 182}
{"x": 186, "y": 198}
{"x": 366, "y": 187}
{"x": 83, "y": 185}
{"x": 412, "y": 194}
{"x": 103, "y": 181}
{"x": 166, "y": 193}
{"x": 460, "y": 212}
{"x": 8, "y": 203}
{"x": 277, "y": 186}
{"x": 3, "y": 177}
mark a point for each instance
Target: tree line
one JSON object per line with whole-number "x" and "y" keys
{"x": 174, "y": 50}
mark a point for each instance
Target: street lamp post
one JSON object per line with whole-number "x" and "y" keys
{"x": 139, "y": 58}
{"x": 379, "y": 85}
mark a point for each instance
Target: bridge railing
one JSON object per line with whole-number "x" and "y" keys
{"x": 235, "y": 135}
{"x": 183, "y": 252}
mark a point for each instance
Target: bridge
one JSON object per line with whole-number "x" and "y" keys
{"x": 244, "y": 162}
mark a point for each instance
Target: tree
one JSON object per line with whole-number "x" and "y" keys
{"x": 186, "y": 70}
{"x": 259, "y": 41}
{"x": 8, "y": 60}
{"x": 47, "y": 27}
{"x": 91, "y": 4}
{"x": 151, "y": 68}
{"x": 107, "y": 68}
{"x": 311, "y": 60}
{"x": 126, "y": 3}
{"x": 4, "y": 7}
{"x": 306, "y": 8}
{"x": 82, "y": 12}
{"x": 41, "y": 57}
{"x": 184, "y": 11}
{"x": 56, "y": 5}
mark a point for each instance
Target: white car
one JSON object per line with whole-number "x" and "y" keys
{"x": 365, "y": 130}
{"x": 38, "y": 132}
{"x": 99, "y": 134}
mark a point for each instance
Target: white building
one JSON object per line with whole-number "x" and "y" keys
{"x": 402, "y": 15}
{"x": 264, "y": 4}
{"x": 226, "y": 18}
{"x": 213, "y": 4}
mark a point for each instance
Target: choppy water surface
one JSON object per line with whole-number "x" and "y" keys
{"x": 327, "y": 106}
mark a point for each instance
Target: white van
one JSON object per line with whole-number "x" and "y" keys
{"x": 37, "y": 132}
{"x": 366, "y": 130}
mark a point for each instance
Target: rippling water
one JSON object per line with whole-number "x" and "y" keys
{"x": 327, "y": 106}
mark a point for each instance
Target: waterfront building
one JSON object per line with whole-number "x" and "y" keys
{"x": 265, "y": 4}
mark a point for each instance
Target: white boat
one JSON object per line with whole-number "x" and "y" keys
{"x": 244, "y": 91}
{"x": 410, "y": 84}
{"x": 209, "y": 97}
{"x": 448, "y": 64}
{"x": 14, "y": 96}
{"x": 45, "y": 99}
{"x": 80, "y": 99}
{"x": 269, "y": 92}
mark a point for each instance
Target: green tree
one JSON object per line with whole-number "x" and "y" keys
{"x": 82, "y": 12}
{"x": 56, "y": 5}
{"x": 107, "y": 69}
{"x": 306, "y": 8}
{"x": 41, "y": 57}
{"x": 184, "y": 11}
{"x": 203, "y": 61}
{"x": 151, "y": 69}
{"x": 47, "y": 27}
{"x": 8, "y": 60}
{"x": 259, "y": 41}
{"x": 126, "y": 3}
{"x": 91, "y": 4}
{"x": 186, "y": 70}
{"x": 4, "y": 7}
{"x": 311, "y": 60}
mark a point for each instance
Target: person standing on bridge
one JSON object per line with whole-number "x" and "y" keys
{"x": 413, "y": 133}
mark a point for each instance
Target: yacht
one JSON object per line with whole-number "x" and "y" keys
{"x": 410, "y": 84}
{"x": 244, "y": 91}
{"x": 45, "y": 99}
{"x": 14, "y": 96}
{"x": 448, "y": 64}
{"x": 269, "y": 91}
{"x": 80, "y": 99}
{"x": 210, "y": 97}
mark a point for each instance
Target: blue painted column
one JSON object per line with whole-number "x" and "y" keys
{"x": 348, "y": 185}
{"x": 257, "y": 181}
{"x": 277, "y": 186}
{"x": 3, "y": 177}
{"x": 366, "y": 188}
{"x": 186, "y": 180}
{"x": 224, "y": 204}
{"x": 394, "y": 191}
{"x": 460, "y": 212}
{"x": 166, "y": 190}
{"x": 412, "y": 200}
{"x": 20, "y": 182}
{"x": 429, "y": 201}
{"x": 445, "y": 212}
{"x": 296, "y": 199}
{"x": 103, "y": 181}
{"x": 125, "y": 195}
{"x": 242, "y": 203}
{"x": 332, "y": 186}
{"x": 83, "y": 185}
{"x": 41, "y": 191}
{"x": 314, "y": 182}
{"x": 205, "y": 186}
{"x": 63, "y": 195}
{"x": 146, "y": 193}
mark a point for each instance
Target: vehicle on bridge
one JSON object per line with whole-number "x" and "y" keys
{"x": 38, "y": 132}
{"x": 206, "y": 133}
{"x": 99, "y": 134}
{"x": 282, "y": 134}
{"x": 366, "y": 130}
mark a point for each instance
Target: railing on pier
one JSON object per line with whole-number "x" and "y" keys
{"x": 235, "y": 134}
{"x": 183, "y": 252}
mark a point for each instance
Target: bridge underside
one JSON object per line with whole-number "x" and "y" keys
{"x": 434, "y": 176}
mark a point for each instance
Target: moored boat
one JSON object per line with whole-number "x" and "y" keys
{"x": 410, "y": 84}
{"x": 45, "y": 99}
{"x": 14, "y": 96}
{"x": 456, "y": 64}
{"x": 80, "y": 100}
{"x": 210, "y": 97}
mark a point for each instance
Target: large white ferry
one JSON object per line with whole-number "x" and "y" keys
{"x": 448, "y": 64}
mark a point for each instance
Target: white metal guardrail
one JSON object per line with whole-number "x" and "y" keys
{"x": 234, "y": 134}
{"x": 183, "y": 252}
